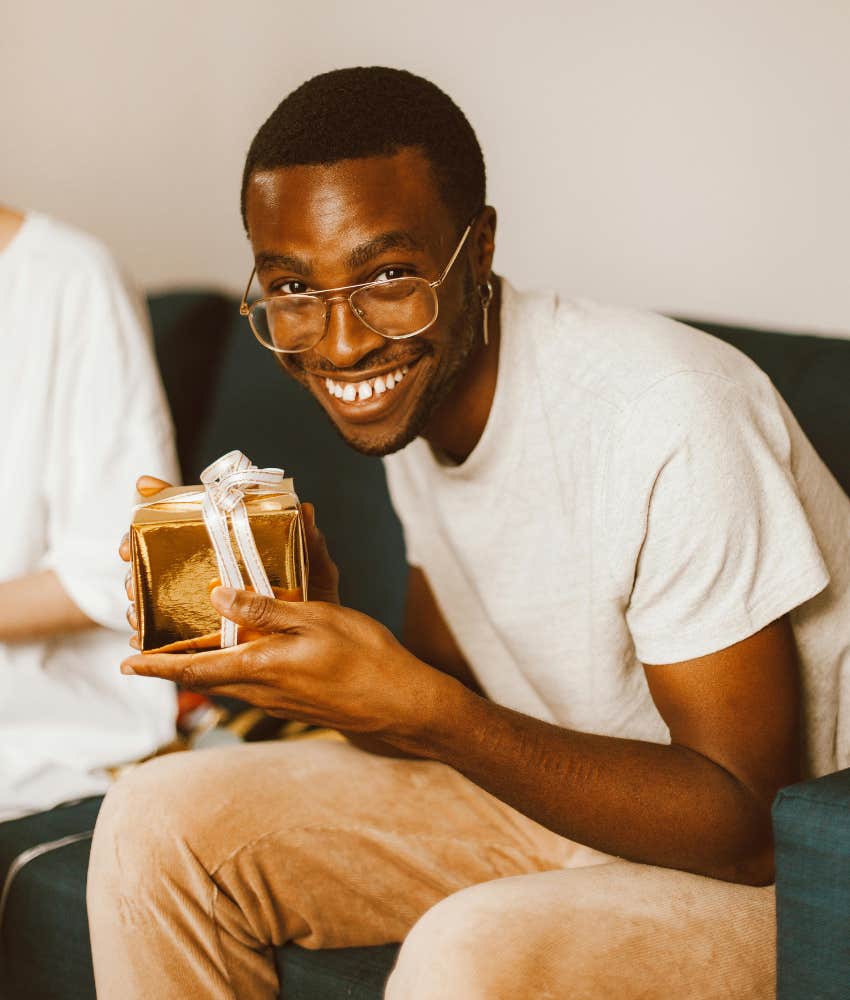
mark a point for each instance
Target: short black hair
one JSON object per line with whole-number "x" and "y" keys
{"x": 373, "y": 111}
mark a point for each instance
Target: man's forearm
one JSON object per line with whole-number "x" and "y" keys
{"x": 36, "y": 606}
{"x": 647, "y": 802}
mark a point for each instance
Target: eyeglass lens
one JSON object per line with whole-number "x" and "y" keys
{"x": 395, "y": 308}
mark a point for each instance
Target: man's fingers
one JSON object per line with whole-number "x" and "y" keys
{"x": 146, "y": 486}
{"x": 134, "y": 641}
{"x": 129, "y": 586}
{"x": 132, "y": 621}
{"x": 191, "y": 670}
{"x": 149, "y": 486}
{"x": 309, "y": 510}
{"x": 324, "y": 575}
{"x": 315, "y": 537}
{"x": 254, "y": 611}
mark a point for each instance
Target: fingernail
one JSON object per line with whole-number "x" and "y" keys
{"x": 127, "y": 669}
{"x": 224, "y": 597}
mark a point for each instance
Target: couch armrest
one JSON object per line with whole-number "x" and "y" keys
{"x": 811, "y": 822}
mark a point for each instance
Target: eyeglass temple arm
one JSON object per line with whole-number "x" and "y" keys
{"x": 458, "y": 248}
{"x": 243, "y": 305}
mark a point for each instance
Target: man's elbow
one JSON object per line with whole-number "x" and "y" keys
{"x": 754, "y": 865}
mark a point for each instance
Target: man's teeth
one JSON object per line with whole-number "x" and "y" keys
{"x": 348, "y": 392}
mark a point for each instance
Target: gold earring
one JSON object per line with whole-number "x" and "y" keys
{"x": 485, "y": 293}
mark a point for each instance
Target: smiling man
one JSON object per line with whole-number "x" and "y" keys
{"x": 626, "y": 622}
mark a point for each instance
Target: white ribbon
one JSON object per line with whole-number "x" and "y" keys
{"x": 226, "y": 483}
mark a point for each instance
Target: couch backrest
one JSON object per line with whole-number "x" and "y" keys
{"x": 227, "y": 392}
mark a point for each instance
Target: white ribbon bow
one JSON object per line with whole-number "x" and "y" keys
{"x": 226, "y": 482}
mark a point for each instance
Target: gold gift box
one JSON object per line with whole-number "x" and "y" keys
{"x": 174, "y": 564}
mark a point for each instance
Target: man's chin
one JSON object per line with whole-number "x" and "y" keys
{"x": 376, "y": 442}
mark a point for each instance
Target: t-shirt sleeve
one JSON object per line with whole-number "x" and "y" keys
{"x": 110, "y": 424}
{"x": 706, "y": 529}
{"x": 403, "y": 499}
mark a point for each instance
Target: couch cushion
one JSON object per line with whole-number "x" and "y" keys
{"x": 45, "y": 939}
{"x": 352, "y": 973}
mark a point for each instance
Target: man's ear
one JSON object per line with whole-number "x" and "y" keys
{"x": 483, "y": 244}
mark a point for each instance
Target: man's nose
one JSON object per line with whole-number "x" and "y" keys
{"x": 346, "y": 339}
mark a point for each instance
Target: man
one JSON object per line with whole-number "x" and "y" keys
{"x": 626, "y": 560}
{"x": 80, "y": 405}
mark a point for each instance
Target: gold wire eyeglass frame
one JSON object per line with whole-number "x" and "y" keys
{"x": 329, "y": 295}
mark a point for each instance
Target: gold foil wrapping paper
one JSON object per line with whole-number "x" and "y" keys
{"x": 174, "y": 564}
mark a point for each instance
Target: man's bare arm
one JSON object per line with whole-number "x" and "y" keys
{"x": 36, "y": 606}
{"x": 700, "y": 804}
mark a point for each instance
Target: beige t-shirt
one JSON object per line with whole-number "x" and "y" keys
{"x": 640, "y": 494}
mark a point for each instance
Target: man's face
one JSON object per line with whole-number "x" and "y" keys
{"x": 319, "y": 227}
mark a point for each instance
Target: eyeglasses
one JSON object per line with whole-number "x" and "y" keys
{"x": 397, "y": 309}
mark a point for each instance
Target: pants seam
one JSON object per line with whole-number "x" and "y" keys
{"x": 218, "y": 942}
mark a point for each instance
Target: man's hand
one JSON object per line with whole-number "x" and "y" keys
{"x": 312, "y": 661}
{"x": 316, "y": 662}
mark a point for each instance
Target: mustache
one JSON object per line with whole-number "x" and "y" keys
{"x": 393, "y": 357}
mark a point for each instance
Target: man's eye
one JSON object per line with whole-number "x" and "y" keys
{"x": 290, "y": 288}
{"x": 390, "y": 273}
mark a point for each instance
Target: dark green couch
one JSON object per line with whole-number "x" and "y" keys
{"x": 225, "y": 393}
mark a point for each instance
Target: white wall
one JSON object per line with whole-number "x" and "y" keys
{"x": 687, "y": 156}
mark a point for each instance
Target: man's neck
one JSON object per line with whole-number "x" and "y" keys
{"x": 456, "y": 428}
{"x": 10, "y": 223}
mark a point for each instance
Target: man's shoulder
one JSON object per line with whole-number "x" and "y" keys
{"x": 615, "y": 354}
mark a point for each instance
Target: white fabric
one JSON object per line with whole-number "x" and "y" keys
{"x": 640, "y": 494}
{"x": 83, "y": 414}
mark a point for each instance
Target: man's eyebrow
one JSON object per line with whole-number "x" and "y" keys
{"x": 396, "y": 239}
{"x": 268, "y": 261}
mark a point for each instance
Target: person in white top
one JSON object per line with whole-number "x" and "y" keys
{"x": 628, "y": 621}
{"x": 82, "y": 409}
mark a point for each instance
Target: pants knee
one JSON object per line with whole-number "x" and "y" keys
{"x": 458, "y": 949}
{"x": 617, "y": 930}
{"x": 145, "y": 823}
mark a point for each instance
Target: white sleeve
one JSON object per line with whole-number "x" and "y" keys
{"x": 704, "y": 517}
{"x": 109, "y": 424}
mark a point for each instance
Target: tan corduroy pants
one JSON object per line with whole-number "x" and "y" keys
{"x": 202, "y": 862}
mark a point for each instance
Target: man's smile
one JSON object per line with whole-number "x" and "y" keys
{"x": 364, "y": 400}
